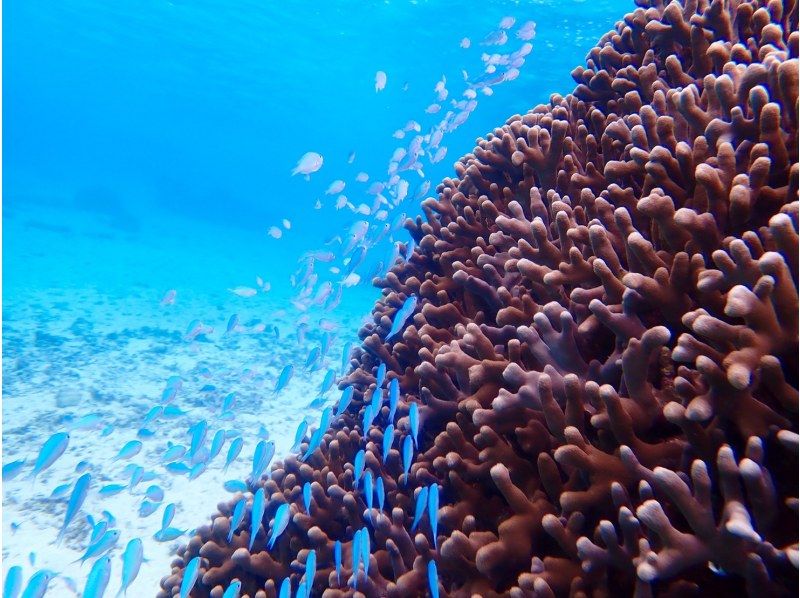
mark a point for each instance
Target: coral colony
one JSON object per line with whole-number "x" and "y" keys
{"x": 592, "y": 388}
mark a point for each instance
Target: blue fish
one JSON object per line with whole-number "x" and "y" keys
{"x": 369, "y": 492}
{"x": 154, "y": 493}
{"x": 190, "y": 575}
{"x": 365, "y": 549}
{"x": 409, "y": 249}
{"x": 145, "y": 433}
{"x": 381, "y": 492}
{"x": 307, "y": 497}
{"x": 51, "y": 450}
{"x": 76, "y": 499}
{"x": 82, "y": 466}
{"x": 60, "y": 491}
{"x": 394, "y": 397}
{"x": 313, "y": 444}
{"x": 388, "y": 439}
{"x": 13, "y": 584}
{"x": 317, "y": 403}
{"x": 105, "y": 543}
{"x": 178, "y": 468}
{"x": 12, "y": 470}
{"x": 369, "y": 415}
{"x": 344, "y": 402}
{"x": 280, "y": 523}
{"x": 337, "y": 559}
{"x": 228, "y": 402}
{"x": 408, "y": 454}
{"x": 283, "y": 379}
{"x": 433, "y": 579}
{"x": 197, "y": 470}
{"x": 256, "y": 515}
{"x": 311, "y": 570}
{"x": 261, "y": 457}
{"x": 176, "y": 451}
{"x": 233, "y": 451}
{"x": 233, "y": 322}
{"x": 137, "y": 475}
{"x": 433, "y": 511}
{"x": 299, "y": 435}
{"x": 358, "y": 467}
{"x": 312, "y": 358}
{"x": 327, "y": 382}
{"x": 131, "y": 563}
{"x": 301, "y": 590}
{"x": 263, "y": 432}
{"x": 198, "y": 432}
{"x": 233, "y": 590}
{"x": 413, "y": 419}
{"x": 167, "y": 516}
{"x": 208, "y": 388}
{"x": 325, "y": 418}
{"x": 237, "y": 517}
{"x": 98, "y": 578}
{"x": 153, "y": 414}
{"x": 168, "y": 534}
{"x": 346, "y": 356}
{"x": 173, "y": 412}
{"x": 286, "y": 588}
{"x": 377, "y": 400}
{"x": 98, "y": 529}
{"x": 37, "y": 584}
{"x": 356, "y": 556}
{"x": 216, "y": 444}
{"x": 419, "y": 508}
{"x": 148, "y": 507}
{"x": 381, "y": 376}
{"x": 401, "y": 315}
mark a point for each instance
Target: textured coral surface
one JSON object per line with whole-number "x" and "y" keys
{"x": 603, "y": 350}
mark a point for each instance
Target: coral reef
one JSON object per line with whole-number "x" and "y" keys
{"x": 603, "y": 352}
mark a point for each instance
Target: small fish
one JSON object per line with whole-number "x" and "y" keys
{"x": 233, "y": 324}
{"x": 433, "y": 511}
{"x": 60, "y": 491}
{"x": 130, "y": 449}
{"x": 527, "y": 31}
{"x": 335, "y": 187}
{"x": 282, "y": 516}
{"x": 283, "y": 379}
{"x": 377, "y": 401}
{"x": 465, "y": 43}
{"x": 307, "y": 497}
{"x": 420, "y": 506}
{"x": 98, "y": 578}
{"x": 312, "y": 358}
{"x": 169, "y": 297}
{"x": 369, "y": 415}
{"x": 507, "y": 22}
{"x": 381, "y": 375}
{"x": 244, "y": 291}
{"x": 263, "y": 454}
{"x": 401, "y": 315}
{"x": 131, "y": 563}
{"x": 275, "y": 232}
{"x": 394, "y": 397}
{"x": 287, "y": 224}
{"x": 216, "y": 444}
{"x": 309, "y": 163}
{"x": 168, "y": 534}
{"x": 346, "y": 356}
{"x": 154, "y": 493}
{"x": 190, "y": 575}
{"x": 37, "y": 584}
{"x": 76, "y": 499}
{"x": 388, "y": 439}
{"x": 365, "y": 549}
{"x": 433, "y": 579}
{"x": 198, "y": 432}
{"x": 177, "y": 468}
{"x": 237, "y": 517}
{"x": 233, "y": 452}
{"x": 105, "y": 543}
{"x": 380, "y": 81}
{"x": 344, "y": 402}
{"x": 327, "y": 383}
{"x": 358, "y": 467}
{"x": 408, "y": 454}
{"x": 362, "y": 177}
{"x": 112, "y": 489}
{"x": 356, "y": 555}
{"x": 235, "y": 486}
{"x": 381, "y": 492}
{"x": 51, "y": 450}
{"x": 413, "y": 419}
{"x": 98, "y": 530}
{"x": 233, "y": 590}
{"x": 172, "y": 412}
{"x": 12, "y": 470}
{"x": 256, "y": 515}
{"x": 311, "y": 570}
{"x": 169, "y": 514}
{"x": 369, "y": 491}
{"x": 13, "y": 584}
{"x": 148, "y": 507}
{"x": 351, "y": 157}
{"x": 337, "y": 559}
{"x": 286, "y": 589}
{"x": 313, "y": 444}
{"x": 302, "y": 427}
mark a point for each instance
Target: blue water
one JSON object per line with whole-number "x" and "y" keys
{"x": 147, "y": 147}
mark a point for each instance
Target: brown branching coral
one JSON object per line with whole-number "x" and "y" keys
{"x": 603, "y": 352}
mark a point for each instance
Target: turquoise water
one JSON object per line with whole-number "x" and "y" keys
{"x": 148, "y": 148}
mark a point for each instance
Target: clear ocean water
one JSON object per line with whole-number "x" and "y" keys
{"x": 162, "y": 266}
